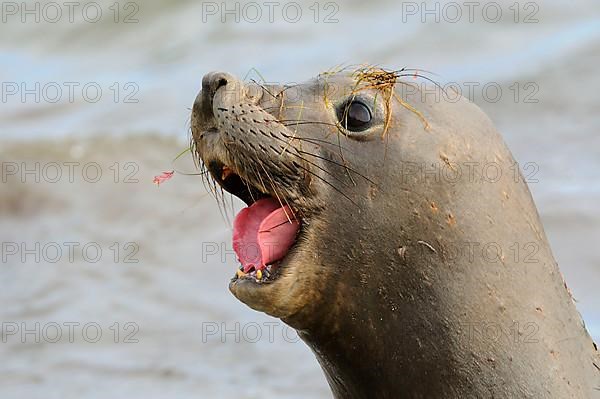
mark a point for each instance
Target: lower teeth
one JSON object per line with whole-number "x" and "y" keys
{"x": 258, "y": 275}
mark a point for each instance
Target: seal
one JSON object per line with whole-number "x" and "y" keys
{"x": 394, "y": 231}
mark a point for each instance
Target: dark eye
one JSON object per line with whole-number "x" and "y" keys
{"x": 355, "y": 116}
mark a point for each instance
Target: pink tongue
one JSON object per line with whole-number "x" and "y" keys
{"x": 262, "y": 233}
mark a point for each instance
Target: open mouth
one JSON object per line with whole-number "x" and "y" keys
{"x": 263, "y": 232}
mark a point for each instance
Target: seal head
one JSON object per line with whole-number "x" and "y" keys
{"x": 392, "y": 219}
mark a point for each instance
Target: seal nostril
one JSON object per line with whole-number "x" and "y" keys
{"x": 211, "y": 83}
{"x": 221, "y": 82}
{"x": 217, "y": 83}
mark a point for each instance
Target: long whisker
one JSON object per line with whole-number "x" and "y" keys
{"x": 341, "y": 153}
{"x": 191, "y": 174}
{"x": 287, "y": 87}
{"x": 216, "y": 195}
{"x": 277, "y": 195}
{"x": 322, "y": 169}
{"x": 262, "y": 183}
{"x": 298, "y": 123}
{"x": 297, "y": 151}
{"x": 329, "y": 184}
{"x": 263, "y": 87}
{"x": 295, "y": 130}
{"x": 316, "y": 141}
{"x": 275, "y": 108}
{"x": 246, "y": 184}
{"x": 338, "y": 164}
{"x": 426, "y": 78}
{"x": 224, "y": 206}
{"x": 399, "y": 71}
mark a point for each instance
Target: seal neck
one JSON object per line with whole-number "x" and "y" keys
{"x": 378, "y": 349}
{"x": 432, "y": 329}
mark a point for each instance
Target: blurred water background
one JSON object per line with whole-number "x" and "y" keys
{"x": 148, "y": 62}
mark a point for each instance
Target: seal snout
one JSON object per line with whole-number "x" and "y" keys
{"x": 202, "y": 112}
{"x": 221, "y": 89}
{"x": 231, "y": 134}
{"x": 213, "y": 81}
{"x": 241, "y": 134}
